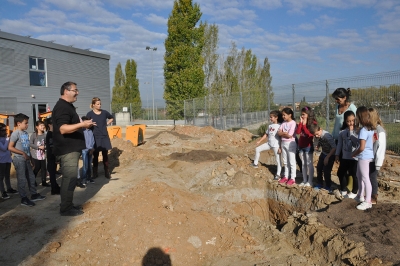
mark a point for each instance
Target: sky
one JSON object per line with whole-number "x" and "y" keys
{"x": 304, "y": 40}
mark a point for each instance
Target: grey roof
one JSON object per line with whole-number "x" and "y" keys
{"x": 28, "y": 40}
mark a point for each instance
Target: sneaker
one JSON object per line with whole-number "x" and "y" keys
{"x": 351, "y": 195}
{"x": 254, "y": 165}
{"x": 72, "y": 212}
{"x": 4, "y": 195}
{"x": 328, "y": 189}
{"x": 307, "y": 185}
{"x": 364, "y": 205}
{"x": 359, "y": 199}
{"x": 44, "y": 184}
{"x": 12, "y": 191}
{"x": 343, "y": 193}
{"x": 283, "y": 180}
{"x": 81, "y": 185}
{"x": 56, "y": 191}
{"x": 302, "y": 184}
{"x": 91, "y": 181}
{"x": 318, "y": 187}
{"x": 291, "y": 182}
{"x": 26, "y": 202}
{"x": 37, "y": 196}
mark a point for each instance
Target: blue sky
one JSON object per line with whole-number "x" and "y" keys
{"x": 304, "y": 40}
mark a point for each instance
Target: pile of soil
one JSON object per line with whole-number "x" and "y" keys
{"x": 188, "y": 196}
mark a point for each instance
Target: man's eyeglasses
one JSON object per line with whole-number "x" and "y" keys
{"x": 76, "y": 90}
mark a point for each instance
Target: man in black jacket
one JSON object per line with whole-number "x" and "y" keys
{"x": 69, "y": 142}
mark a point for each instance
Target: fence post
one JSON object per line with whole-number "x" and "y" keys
{"x": 194, "y": 111}
{"x": 327, "y": 106}
{"x": 184, "y": 112}
{"x": 205, "y": 111}
{"x": 269, "y": 98}
{"x": 130, "y": 112}
{"x": 241, "y": 109}
{"x": 293, "y": 103}
{"x": 220, "y": 111}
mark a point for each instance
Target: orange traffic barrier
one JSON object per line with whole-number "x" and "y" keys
{"x": 114, "y": 132}
{"x": 45, "y": 115}
{"x": 5, "y": 119}
{"x": 135, "y": 134}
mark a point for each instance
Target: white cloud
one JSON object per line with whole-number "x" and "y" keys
{"x": 306, "y": 26}
{"x": 348, "y": 58}
{"x": 157, "y": 4}
{"x": 266, "y": 4}
{"x": 157, "y": 20}
{"x": 326, "y": 20}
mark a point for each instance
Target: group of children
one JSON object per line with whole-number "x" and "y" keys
{"x": 33, "y": 154}
{"x": 359, "y": 150}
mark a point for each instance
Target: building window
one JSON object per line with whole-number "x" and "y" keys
{"x": 37, "y": 71}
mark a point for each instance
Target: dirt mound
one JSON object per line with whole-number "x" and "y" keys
{"x": 377, "y": 228}
{"x": 188, "y": 196}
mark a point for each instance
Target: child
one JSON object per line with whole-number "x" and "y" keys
{"x": 379, "y": 152}
{"x": 288, "y": 146}
{"x": 87, "y": 154}
{"x": 347, "y": 143}
{"x": 51, "y": 158}
{"x": 5, "y": 163}
{"x": 327, "y": 144}
{"x": 273, "y": 142}
{"x": 19, "y": 145}
{"x": 365, "y": 155}
{"x": 305, "y": 145}
{"x": 38, "y": 153}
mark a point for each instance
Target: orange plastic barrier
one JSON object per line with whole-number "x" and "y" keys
{"x": 5, "y": 119}
{"x": 135, "y": 134}
{"x": 114, "y": 132}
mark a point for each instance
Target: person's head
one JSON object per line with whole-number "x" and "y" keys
{"x": 363, "y": 118}
{"x": 96, "y": 103}
{"x": 308, "y": 114}
{"x": 69, "y": 91}
{"x": 49, "y": 124}
{"x": 21, "y": 121}
{"x": 374, "y": 117}
{"x": 315, "y": 129}
{"x": 39, "y": 126}
{"x": 348, "y": 120}
{"x": 3, "y": 130}
{"x": 287, "y": 114}
{"x": 342, "y": 95}
{"x": 275, "y": 116}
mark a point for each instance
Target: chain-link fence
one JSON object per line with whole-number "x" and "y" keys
{"x": 381, "y": 90}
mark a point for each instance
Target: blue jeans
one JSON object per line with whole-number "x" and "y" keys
{"x": 87, "y": 165}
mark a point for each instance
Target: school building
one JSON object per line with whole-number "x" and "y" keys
{"x": 32, "y": 72}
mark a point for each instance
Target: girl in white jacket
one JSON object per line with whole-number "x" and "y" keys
{"x": 379, "y": 152}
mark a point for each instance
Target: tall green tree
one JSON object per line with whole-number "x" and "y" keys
{"x": 118, "y": 94}
{"x": 210, "y": 55}
{"x": 183, "y": 68}
{"x": 132, "y": 93}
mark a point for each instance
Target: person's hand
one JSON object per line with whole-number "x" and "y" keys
{"x": 258, "y": 142}
{"x": 280, "y": 133}
{"x": 41, "y": 147}
{"x": 279, "y": 151}
{"x": 26, "y": 157}
{"x": 337, "y": 158}
{"x": 88, "y": 123}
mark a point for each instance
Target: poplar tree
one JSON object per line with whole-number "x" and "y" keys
{"x": 118, "y": 96}
{"x": 183, "y": 68}
{"x": 132, "y": 93}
